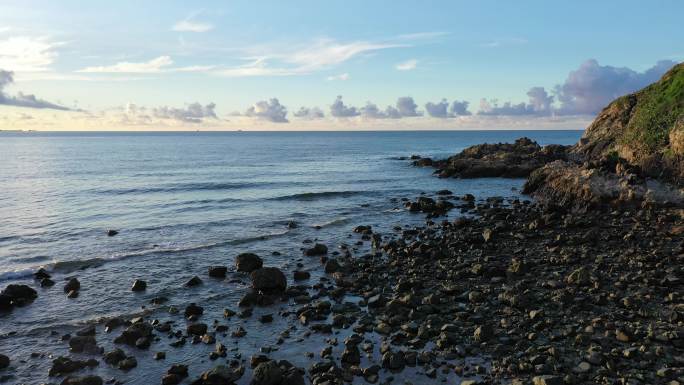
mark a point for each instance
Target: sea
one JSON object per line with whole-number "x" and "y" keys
{"x": 184, "y": 201}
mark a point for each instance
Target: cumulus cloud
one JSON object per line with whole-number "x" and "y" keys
{"x": 407, "y": 107}
{"x": 459, "y": 108}
{"x": 371, "y": 111}
{"x": 540, "y": 100}
{"x": 592, "y": 86}
{"x": 339, "y": 110}
{"x": 21, "y": 99}
{"x": 540, "y": 104}
{"x": 407, "y": 65}
{"x": 437, "y": 110}
{"x": 192, "y": 113}
{"x": 309, "y": 113}
{"x": 270, "y": 110}
{"x": 27, "y": 54}
{"x": 443, "y": 110}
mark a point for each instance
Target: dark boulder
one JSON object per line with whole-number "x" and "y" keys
{"x": 193, "y": 310}
{"x": 4, "y": 361}
{"x": 85, "y": 380}
{"x": 218, "y": 271}
{"x": 194, "y": 281}
{"x": 317, "y": 249}
{"x": 20, "y": 295}
{"x": 72, "y": 285}
{"x": 267, "y": 373}
{"x": 269, "y": 279}
{"x": 248, "y": 262}
{"x": 139, "y": 285}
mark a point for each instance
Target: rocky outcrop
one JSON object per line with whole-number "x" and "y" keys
{"x": 646, "y": 129}
{"x": 632, "y": 154}
{"x": 507, "y": 160}
{"x": 569, "y": 185}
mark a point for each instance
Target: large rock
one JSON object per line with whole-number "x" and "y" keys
{"x": 4, "y": 361}
{"x": 248, "y": 262}
{"x": 508, "y": 160}
{"x": 567, "y": 184}
{"x": 645, "y": 128}
{"x": 269, "y": 279}
{"x": 18, "y": 295}
{"x": 72, "y": 285}
{"x": 267, "y": 373}
{"x": 220, "y": 375}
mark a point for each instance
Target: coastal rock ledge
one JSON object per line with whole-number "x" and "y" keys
{"x": 632, "y": 154}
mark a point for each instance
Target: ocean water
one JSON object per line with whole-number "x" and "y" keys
{"x": 185, "y": 201}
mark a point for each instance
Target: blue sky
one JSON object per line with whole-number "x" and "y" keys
{"x": 229, "y": 55}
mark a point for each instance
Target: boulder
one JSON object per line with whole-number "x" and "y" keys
{"x": 301, "y": 275}
{"x": 267, "y": 373}
{"x": 193, "y": 310}
{"x": 248, "y": 262}
{"x": 269, "y": 279}
{"x": 220, "y": 375}
{"x": 72, "y": 285}
{"x": 194, "y": 281}
{"x": 139, "y": 285}
{"x": 4, "y": 361}
{"x": 19, "y": 295}
{"x": 218, "y": 271}
{"x": 317, "y": 249}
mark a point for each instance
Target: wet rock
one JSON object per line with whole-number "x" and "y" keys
{"x": 197, "y": 329}
{"x": 160, "y": 356}
{"x": 351, "y": 355}
{"x": 111, "y": 233}
{"x": 269, "y": 279}
{"x": 47, "y": 282}
{"x": 114, "y": 357}
{"x": 220, "y": 375}
{"x": 85, "y": 380}
{"x": 317, "y": 249}
{"x": 548, "y": 380}
{"x": 72, "y": 294}
{"x": 301, "y": 275}
{"x": 132, "y": 334}
{"x": 248, "y": 262}
{"x": 80, "y": 344}
{"x": 218, "y": 271}
{"x": 19, "y": 295}
{"x": 393, "y": 361}
{"x": 175, "y": 374}
{"x": 483, "y": 333}
{"x": 128, "y": 363}
{"x": 139, "y": 285}
{"x": 87, "y": 331}
{"x": 332, "y": 266}
{"x": 194, "y": 281}
{"x": 72, "y": 285}
{"x": 41, "y": 274}
{"x": 4, "y": 361}
{"x": 65, "y": 365}
{"x": 113, "y": 323}
{"x": 5, "y": 303}
{"x": 193, "y": 310}
{"x": 267, "y": 373}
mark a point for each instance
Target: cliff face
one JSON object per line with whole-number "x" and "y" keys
{"x": 646, "y": 129}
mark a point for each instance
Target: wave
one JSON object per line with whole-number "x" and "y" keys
{"x": 334, "y": 222}
{"x": 184, "y": 187}
{"x": 308, "y": 196}
{"x": 67, "y": 267}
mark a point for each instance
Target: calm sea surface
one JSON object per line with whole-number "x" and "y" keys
{"x": 185, "y": 201}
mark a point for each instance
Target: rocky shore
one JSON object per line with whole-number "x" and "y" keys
{"x": 582, "y": 285}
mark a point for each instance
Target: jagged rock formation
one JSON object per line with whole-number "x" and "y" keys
{"x": 507, "y": 160}
{"x": 632, "y": 154}
{"x": 645, "y": 128}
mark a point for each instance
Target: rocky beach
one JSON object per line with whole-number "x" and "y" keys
{"x": 577, "y": 282}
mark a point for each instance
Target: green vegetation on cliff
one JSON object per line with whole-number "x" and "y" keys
{"x": 646, "y": 129}
{"x": 659, "y": 106}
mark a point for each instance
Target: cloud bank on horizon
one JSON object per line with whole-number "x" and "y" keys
{"x": 192, "y": 67}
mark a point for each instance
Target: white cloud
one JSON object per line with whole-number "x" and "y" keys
{"x": 21, "y": 99}
{"x": 192, "y": 26}
{"x": 309, "y": 113}
{"x": 270, "y": 110}
{"x": 152, "y": 66}
{"x": 344, "y": 76}
{"x": 192, "y": 113}
{"x": 407, "y": 65}
{"x": 27, "y": 54}
{"x": 339, "y": 110}
{"x": 160, "y": 64}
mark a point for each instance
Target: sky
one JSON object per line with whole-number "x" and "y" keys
{"x": 300, "y": 65}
